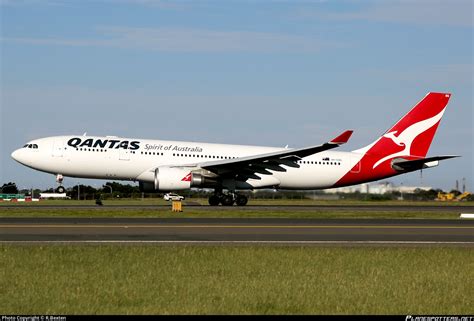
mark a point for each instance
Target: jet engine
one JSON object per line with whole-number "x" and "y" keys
{"x": 175, "y": 179}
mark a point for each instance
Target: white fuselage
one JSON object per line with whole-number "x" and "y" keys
{"x": 120, "y": 159}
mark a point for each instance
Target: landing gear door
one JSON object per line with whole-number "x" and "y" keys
{"x": 58, "y": 148}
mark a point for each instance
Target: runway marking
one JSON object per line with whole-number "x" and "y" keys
{"x": 244, "y": 242}
{"x": 236, "y": 226}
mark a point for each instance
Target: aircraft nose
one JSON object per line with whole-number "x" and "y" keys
{"x": 16, "y": 155}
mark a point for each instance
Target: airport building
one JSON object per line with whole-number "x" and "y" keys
{"x": 377, "y": 188}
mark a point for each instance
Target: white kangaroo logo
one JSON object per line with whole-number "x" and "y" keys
{"x": 407, "y": 136}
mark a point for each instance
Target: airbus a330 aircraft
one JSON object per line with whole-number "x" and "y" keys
{"x": 173, "y": 166}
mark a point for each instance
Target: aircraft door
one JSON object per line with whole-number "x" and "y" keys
{"x": 58, "y": 148}
{"x": 124, "y": 154}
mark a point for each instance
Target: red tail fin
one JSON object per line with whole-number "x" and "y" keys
{"x": 411, "y": 135}
{"x": 408, "y": 139}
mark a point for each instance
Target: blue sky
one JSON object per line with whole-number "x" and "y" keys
{"x": 245, "y": 72}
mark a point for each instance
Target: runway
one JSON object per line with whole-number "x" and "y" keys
{"x": 239, "y": 230}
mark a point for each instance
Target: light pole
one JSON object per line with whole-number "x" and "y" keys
{"x": 78, "y": 188}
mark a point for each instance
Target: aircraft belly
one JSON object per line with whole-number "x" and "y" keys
{"x": 102, "y": 167}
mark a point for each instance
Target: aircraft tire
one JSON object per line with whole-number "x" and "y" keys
{"x": 214, "y": 200}
{"x": 227, "y": 200}
{"x": 241, "y": 200}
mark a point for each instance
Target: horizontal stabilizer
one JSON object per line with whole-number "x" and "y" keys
{"x": 401, "y": 164}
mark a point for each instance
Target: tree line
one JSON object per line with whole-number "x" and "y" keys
{"x": 119, "y": 190}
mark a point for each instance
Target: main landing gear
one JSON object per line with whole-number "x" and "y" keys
{"x": 227, "y": 199}
{"x": 59, "y": 180}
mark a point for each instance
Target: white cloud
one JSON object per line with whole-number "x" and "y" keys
{"x": 31, "y": 2}
{"x": 160, "y": 4}
{"x": 186, "y": 40}
{"x": 421, "y": 12}
{"x": 153, "y": 3}
{"x": 444, "y": 76}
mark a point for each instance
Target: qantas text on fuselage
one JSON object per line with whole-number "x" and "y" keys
{"x": 172, "y": 166}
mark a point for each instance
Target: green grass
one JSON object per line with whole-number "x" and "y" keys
{"x": 235, "y": 212}
{"x": 202, "y": 201}
{"x": 25, "y": 210}
{"x": 107, "y": 279}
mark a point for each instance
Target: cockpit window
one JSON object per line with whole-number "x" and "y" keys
{"x": 34, "y": 146}
{"x": 25, "y": 146}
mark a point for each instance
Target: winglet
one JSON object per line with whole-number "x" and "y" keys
{"x": 343, "y": 138}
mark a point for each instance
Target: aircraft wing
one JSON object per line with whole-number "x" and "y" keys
{"x": 246, "y": 167}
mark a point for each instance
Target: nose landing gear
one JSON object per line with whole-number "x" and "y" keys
{"x": 59, "y": 179}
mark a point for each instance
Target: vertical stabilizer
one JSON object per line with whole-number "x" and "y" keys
{"x": 412, "y": 134}
{"x": 409, "y": 139}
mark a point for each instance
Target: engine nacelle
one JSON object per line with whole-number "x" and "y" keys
{"x": 173, "y": 179}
